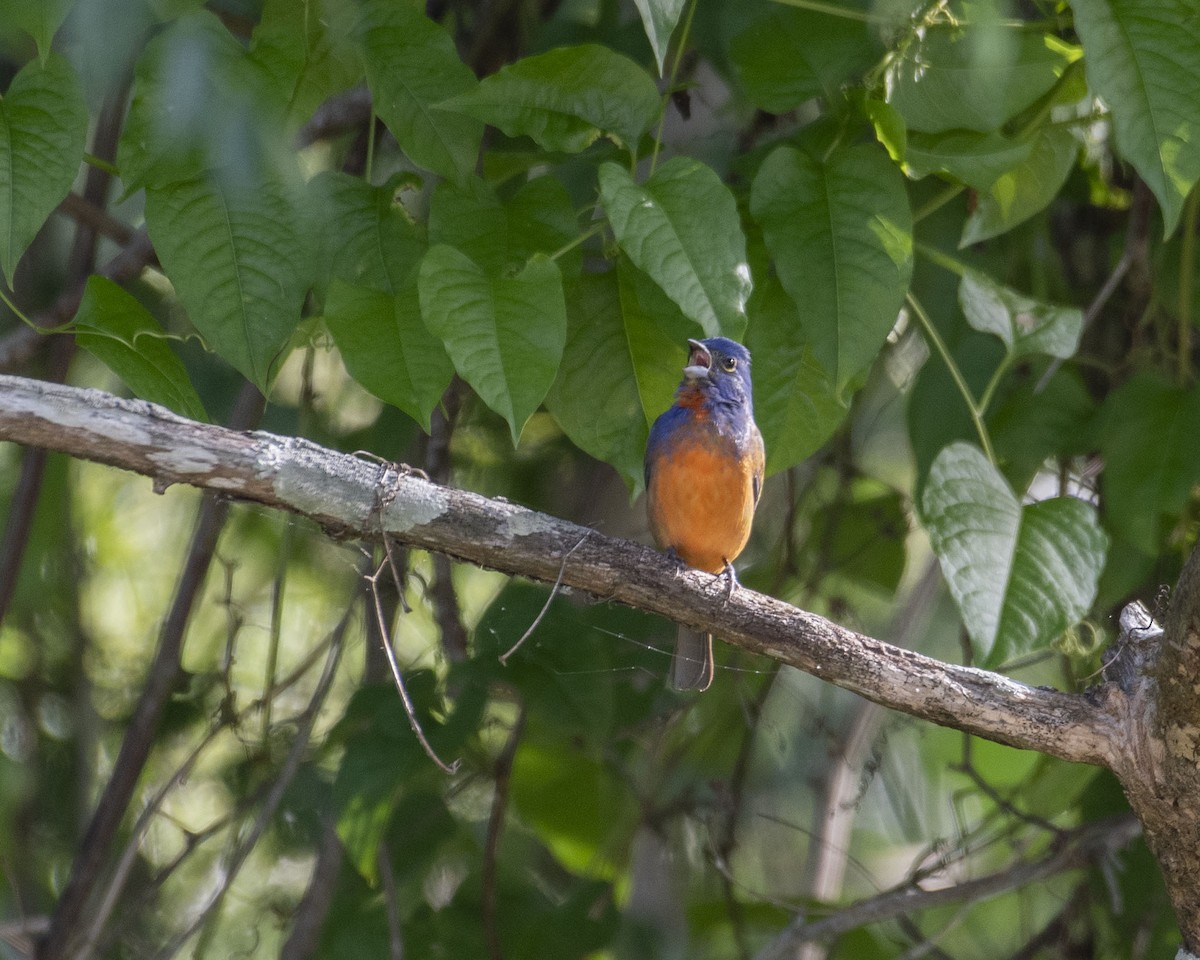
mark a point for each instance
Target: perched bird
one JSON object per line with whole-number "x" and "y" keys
{"x": 704, "y": 474}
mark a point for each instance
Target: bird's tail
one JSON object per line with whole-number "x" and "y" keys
{"x": 692, "y": 666}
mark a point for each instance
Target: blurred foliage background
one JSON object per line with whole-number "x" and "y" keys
{"x": 957, "y": 237}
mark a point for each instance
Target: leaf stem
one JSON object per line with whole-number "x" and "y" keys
{"x": 101, "y": 164}
{"x": 940, "y": 346}
{"x": 583, "y": 237}
{"x": 676, "y": 61}
{"x": 1187, "y": 284}
{"x": 936, "y": 203}
{"x": 370, "y": 166}
{"x": 943, "y": 260}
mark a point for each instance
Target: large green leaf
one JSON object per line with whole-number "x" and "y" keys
{"x": 505, "y": 333}
{"x": 241, "y": 257}
{"x": 977, "y": 159}
{"x": 217, "y": 111}
{"x": 412, "y": 65}
{"x": 595, "y": 397}
{"x": 1143, "y": 59}
{"x": 387, "y": 347}
{"x": 1026, "y": 326}
{"x": 113, "y": 326}
{"x": 566, "y": 98}
{"x": 658, "y": 353}
{"x": 974, "y": 77}
{"x": 306, "y": 52}
{"x": 1151, "y": 451}
{"x": 367, "y": 237}
{"x": 790, "y": 56}
{"x": 1021, "y": 575}
{"x": 659, "y": 17}
{"x": 43, "y": 129}
{"x": 682, "y": 228}
{"x": 840, "y": 232}
{"x": 795, "y": 403}
{"x": 1024, "y": 189}
{"x": 499, "y": 234}
{"x": 39, "y": 18}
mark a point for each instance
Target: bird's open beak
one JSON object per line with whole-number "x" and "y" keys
{"x": 699, "y": 361}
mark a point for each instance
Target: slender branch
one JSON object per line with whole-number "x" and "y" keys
{"x": 502, "y": 774}
{"x": 353, "y": 498}
{"x": 1076, "y": 849}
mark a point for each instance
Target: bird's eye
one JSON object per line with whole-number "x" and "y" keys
{"x": 729, "y": 364}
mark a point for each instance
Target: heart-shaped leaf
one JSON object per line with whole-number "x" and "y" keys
{"x": 115, "y": 328}
{"x": 505, "y": 333}
{"x": 566, "y": 98}
{"x": 840, "y": 232}
{"x": 43, "y": 129}
{"x": 240, "y": 253}
{"x": 1026, "y": 326}
{"x": 387, "y": 347}
{"x": 412, "y": 65}
{"x": 1020, "y": 575}
{"x": 682, "y": 228}
{"x": 39, "y": 18}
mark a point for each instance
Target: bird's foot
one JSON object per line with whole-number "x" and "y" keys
{"x": 731, "y": 581}
{"x": 680, "y": 566}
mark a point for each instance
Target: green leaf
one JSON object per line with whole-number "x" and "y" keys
{"x": 39, "y": 18}
{"x": 795, "y": 404}
{"x": 658, "y": 356}
{"x": 840, "y": 232}
{"x": 566, "y": 98}
{"x": 367, "y": 237}
{"x": 412, "y": 65}
{"x": 660, "y": 18}
{"x": 306, "y": 52}
{"x": 977, "y": 159}
{"x": 975, "y": 77}
{"x": 606, "y": 423}
{"x": 1026, "y": 326}
{"x": 1020, "y": 575}
{"x": 791, "y": 55}
{"x": 115, "y": 328}
{"x": 1143, "y": 59}
{"x": 499, "y": 235}
{"x": 199, "y": 104}
{"x": 43, "y": 129}
{"x": 240, "y": 256}
{"x": 1151, "y": 451}
{"x": 387, "y": 347}
{"x": 505, "y": 333}
{"x": 1025, "y": 189}
{"x": 682, "y": 228}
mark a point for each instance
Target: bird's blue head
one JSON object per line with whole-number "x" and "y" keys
{"x": 719, "y": 366}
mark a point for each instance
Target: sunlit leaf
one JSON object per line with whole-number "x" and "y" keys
{"x": 1020, "y": 575}
{"x": 1143, "y": 59}
{"x": 681, "y": 227}
{"x": 1026, "y": 326}
{"x": 659, "y": 17}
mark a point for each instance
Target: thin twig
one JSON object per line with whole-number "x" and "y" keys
{"x": 409, "y": 710}
{"x": 1075, "y": 849}
{"x": 546, "y": 606}
{"x": 391, "y": 903}
{"x": 291, "y": 766}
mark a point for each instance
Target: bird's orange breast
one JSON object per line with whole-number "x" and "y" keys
{"x": 701, "y": 503}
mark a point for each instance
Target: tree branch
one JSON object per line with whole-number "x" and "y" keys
{"x": 350, "y": 497}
